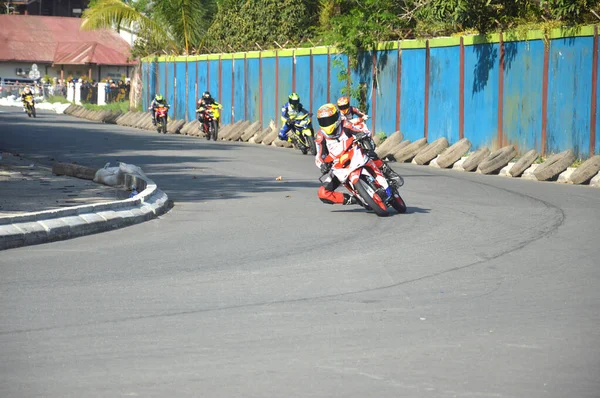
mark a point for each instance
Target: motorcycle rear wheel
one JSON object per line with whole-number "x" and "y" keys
{"x": 372, "y": 201}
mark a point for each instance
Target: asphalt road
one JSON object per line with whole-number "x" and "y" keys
{"x": 250, "y": 287}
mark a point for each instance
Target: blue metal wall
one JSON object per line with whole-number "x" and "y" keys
{"x": 286, "y": 68}
{"x": 569, "y": 95}
{"x": 481, "y": 94}
{"x": 180, "y": 97}
{"x": 253, "y": 98}
{"x": 169, "y": 87}
{"x": 269, "y": 79}
{"x": 303, "y": 82}
{"x": 243, "y": 90}
{"x": 522, "y": 105}
{"x": 386, "y": 101}
{"x": 412, "y": 94}
{"x": 192, "y": 90}
{"x": 443, "y": 94}
{"x": 145, "y": 87}
{"x": 226, "y": 85}
{"x": 240, "y": 90}
{"x": 319, "y": 81}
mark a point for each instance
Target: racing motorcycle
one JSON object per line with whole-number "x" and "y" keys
{"x": 30, "y": 106}
{"x": 161, "y": 119}
{"x": 362, "y": 178}
{"x": 301, "y": 132}
{"x": 210, "y": 126}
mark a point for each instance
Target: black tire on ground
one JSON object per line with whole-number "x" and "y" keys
{"x": 475, "y": 159}
{"x": 454, "y": 153}
{"x": 398, "y": 203}
{"x": 207, "y": 133}
{"x": 361, "y": 187}
{"x": 497, "y": 160}
{"x": 33, "y": 111}
{"x": 523, "y": 163}
{"x": 554, "y": 165}
{"x": 215, "y": 130}
{"x": 428, "y": 153}
{"x": 586, "y": 171}
{"x": 312, "y": 149}
{"x": 163, "y": 124}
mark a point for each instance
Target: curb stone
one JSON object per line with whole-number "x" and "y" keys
{"x": 70, "y": 222}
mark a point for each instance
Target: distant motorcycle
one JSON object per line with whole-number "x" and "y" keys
{"x": 210, "y": 125}
{"x": 30, "y": 106}
{"x": 301, "y": 132}
{"x": 161, "y": 119}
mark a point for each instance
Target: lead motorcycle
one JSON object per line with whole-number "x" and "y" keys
{"x": 30, "y": 105}
{"x": 361, "y": 176}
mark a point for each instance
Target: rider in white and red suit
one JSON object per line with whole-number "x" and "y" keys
{"x": 330, "y": 143}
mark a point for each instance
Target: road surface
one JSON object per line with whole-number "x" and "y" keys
{"x": 250, "y": 287}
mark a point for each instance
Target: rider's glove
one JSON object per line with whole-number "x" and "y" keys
{"x": 365, "y": 117}
{"x": 325, "y": 167}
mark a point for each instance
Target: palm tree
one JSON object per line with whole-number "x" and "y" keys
{"x": 175, "y": 26}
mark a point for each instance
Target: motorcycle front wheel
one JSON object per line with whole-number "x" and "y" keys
{"x": 398, "y": 203}
{"x": 215, "y": 130}
{"x": 312, "y": 149}
{"x": 363, "y": 187}
{"x": 163, "y": 124}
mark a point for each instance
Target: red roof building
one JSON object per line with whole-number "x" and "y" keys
{"x": 59, "y": 47}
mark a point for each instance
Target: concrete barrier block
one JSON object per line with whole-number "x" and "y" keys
{"x": 119, "y": 120}
{"x": 595, "y": 182}
{"x": 270, "y": 137}
{"x": 529, "y": 173}
{"x": 389, "y": 144}
{"x": 257, "y": 139}
{"x": 190, "y": 128}
{"x": 251, "y": 131}
{"x": 144, "y": 120}
{"x": 236, "y": 131}
{"x": 282, "y": 144}
{"x": 427, "y": 153}
{"x": 565, "y": 176}
{"x": 458, "y": 164}
{"x": 226, "y": 130}
{"x": 505, "y": 171}
{"x": 406, "y": 153}
{"x": 174, "y": 126}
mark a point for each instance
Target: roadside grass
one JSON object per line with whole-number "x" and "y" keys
{"x": 57, "y": 98}
{"x": 122, "y": 107}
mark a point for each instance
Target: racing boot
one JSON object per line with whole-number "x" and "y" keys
{"x": 350, "y": 200}
{"x": 392, "y": 175}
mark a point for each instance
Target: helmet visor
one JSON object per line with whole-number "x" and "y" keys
{"x": 294, "y": 102}
{"x": 344, "y": 108}
{"x": 331, "y": 130}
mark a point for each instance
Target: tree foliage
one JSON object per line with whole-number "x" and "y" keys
{"x": 241, "y": 24}
{"x": 173, "y": 26}
{"x": 187, "y": 26}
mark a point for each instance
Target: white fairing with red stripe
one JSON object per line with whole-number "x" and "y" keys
{"x": 352, "y": 157}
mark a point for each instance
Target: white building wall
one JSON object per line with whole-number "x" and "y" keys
{"x": 8, "y": 70}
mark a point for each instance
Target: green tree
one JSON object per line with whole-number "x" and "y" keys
{"x": 175, "y": 26}
{"x": 241, "y": 24}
